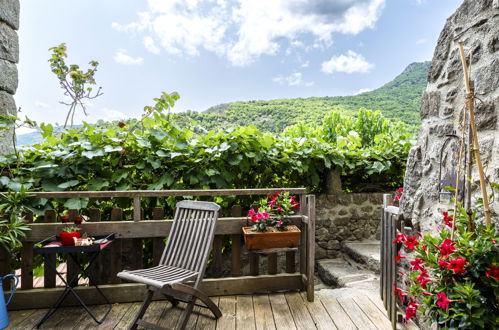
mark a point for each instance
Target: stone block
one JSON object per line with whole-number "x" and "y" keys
{"x": 8, "y": 77}
{"x": 7, "y": 103}
{"x": 9, "y": 12}
{"x": 9, "y": 44}
{"x": 321, "y": 234}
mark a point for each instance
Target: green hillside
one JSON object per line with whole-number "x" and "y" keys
{"x": 399, "y": 99}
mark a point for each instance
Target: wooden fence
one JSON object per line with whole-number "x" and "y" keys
{"x": 390, "y": 223}
{"x": 131, "y": 233}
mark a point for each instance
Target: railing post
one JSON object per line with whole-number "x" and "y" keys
{"x": 49, "y": 260}
{"x": 27, "y": 259}
{"x": 310, "y": 247}
{"x": 158, "y": 244}
{"x": 236, "y": 245}
{"x": 303, "y": 238}
{"x": 136, "y": 209}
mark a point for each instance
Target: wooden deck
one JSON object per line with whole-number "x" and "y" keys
{"x": 265, "y": 311}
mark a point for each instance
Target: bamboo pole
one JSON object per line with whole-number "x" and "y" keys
{"x": 471, "y": 106}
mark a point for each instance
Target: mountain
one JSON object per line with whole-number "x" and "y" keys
{"x": 399, "y": 100}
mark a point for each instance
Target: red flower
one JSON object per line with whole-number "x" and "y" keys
{"x": 398, "y": 292}
{"x": 411, "y": 242}
{"x": 397, "y": 198}
{"x": 493, "y": 271}
{"x": 398, "y": 257}
{"x": 417, "y": 264}
{"x": 443, "y": 301}
{"x": 400, "y": 238}
{"x": 423, "y": 278}
{"x": 447, "y": 247}
{"x": 400, "y": 190}
{"x": 443, "y": 264}
{"x": 457, "y": 265}
{"x": 411, "y": 310}
{"x": 448, "y": 220}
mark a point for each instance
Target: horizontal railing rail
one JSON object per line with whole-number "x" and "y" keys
{"x": 134, "y": 234}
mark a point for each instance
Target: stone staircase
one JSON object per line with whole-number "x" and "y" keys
{"x": 355, "y": 273}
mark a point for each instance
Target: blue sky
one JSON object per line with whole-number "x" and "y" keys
{"x": 217, "y": 51}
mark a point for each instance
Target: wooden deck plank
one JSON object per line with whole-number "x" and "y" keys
{"x": 282, "y": 315}
{"x": 264, "y": 320}
{"x": 17, "y": 317}
{"x": 26, "y": 322}
{"x": 338, "y": 315}
{"x": 319, "y": 314}
{"x": 373, "y": 313}
{"x": 171, "y": 315}
{"x": 227, "y": 306}
{"x": 356, "y": 314}
{"x": 300, "y": 313}
{"x": 61, "y": 316}
{"x": 245, "y": 314}
{"x": 129, "y": 314}
{"x": 155, "y": 310}
{"x": 206, "y": 319}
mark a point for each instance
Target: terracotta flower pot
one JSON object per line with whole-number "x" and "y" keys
{"x": 256, "y": 240}
{"x": 78, "y": 220}
{"x": 64, "y": 218}
{"x": 67, "y": 238}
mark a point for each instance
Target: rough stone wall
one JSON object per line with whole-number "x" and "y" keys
{"x": 9, "y": 56}
{"x": 476, "y": 23}
{"x": 345, "y": 217}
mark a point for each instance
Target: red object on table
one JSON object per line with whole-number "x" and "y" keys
{"x": 67, "y": 238}
{"x": 64, "y": 218}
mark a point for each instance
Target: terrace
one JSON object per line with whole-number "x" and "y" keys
{"x": 253, "y": 290}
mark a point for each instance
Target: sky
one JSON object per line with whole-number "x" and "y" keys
{"x": 219, "y": 51}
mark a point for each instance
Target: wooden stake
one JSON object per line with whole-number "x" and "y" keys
{"x": 471, "y": 106}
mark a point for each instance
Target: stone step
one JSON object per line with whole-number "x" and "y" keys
{"x": 366, "y": 253}
{"x": 346, "y": 273}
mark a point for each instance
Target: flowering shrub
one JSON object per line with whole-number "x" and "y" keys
{"x": 398, "y": 194}
{"x": 453, "y": 279}
{"x": 274, "y": 211}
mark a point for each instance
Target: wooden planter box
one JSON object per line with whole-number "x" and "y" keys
{"x": 257, "y": 240}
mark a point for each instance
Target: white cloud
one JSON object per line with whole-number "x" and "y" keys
{"x": 421, "y": 41}
{"x": 244, "y": 30}
{"x": 151, "y": 45}
{"x": 305, "y": 64}
{"x": 294, "y": 79}
{"x": 40, "y": 104}
{"x": 122, "y": 58}
{"x": 349, "y": 63}
{"x": 362, "y": 90}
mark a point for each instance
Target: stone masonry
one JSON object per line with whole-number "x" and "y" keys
{"x": 433, "y": 158}
{"x": 9, "y": 56}
{"x": 345, "y": 217}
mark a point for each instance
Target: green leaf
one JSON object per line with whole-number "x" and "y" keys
{"x": 68, "y": 184}
{"x": 76, "y": 203}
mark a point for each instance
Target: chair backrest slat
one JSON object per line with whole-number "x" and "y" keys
{"x": 191, "y": 236}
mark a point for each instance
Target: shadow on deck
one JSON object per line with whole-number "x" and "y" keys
{"x": 263, "y": 311}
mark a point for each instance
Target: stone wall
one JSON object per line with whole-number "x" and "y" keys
{"x": 432, "y": 160}
{"x": 9, "y": 56}
{"x": 345, "y": 217}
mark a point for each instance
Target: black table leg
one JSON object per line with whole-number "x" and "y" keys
{"x": 68, "y": 288}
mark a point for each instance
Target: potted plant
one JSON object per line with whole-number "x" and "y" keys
{"x": 65, "y": 217}
{"x": 271, "y": 226}
{"x": 453, "y": 277}
{"x": 68, "y": 234}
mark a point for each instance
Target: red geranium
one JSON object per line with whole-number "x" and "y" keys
{"x": 411, "y": 242}
{"x": 493, "y": 271}
{"x": 442, "y": 300}
{"x": 457, "y": 265}
{"x": 447, "y": 247}
{"x": 417, "y": 264}
{"x": 411, "y": 310}
{"x": 423, "y": 278}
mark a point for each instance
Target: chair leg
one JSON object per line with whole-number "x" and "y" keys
{"x": 142, "y": 310}
{"x": 182, "y": 322}
{"x": 199, "y": 295}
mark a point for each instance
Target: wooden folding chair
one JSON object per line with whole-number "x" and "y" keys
{"x": 184, "y": 258}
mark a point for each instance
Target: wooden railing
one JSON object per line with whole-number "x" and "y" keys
{"x": 390, "y": 223}
{"x": 131, "y": 233}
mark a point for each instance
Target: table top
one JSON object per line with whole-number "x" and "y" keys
{"x": 53, "y": 245}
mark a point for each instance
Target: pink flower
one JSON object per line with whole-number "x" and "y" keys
{"x": 398, "y": 257}
{"x": 400, "y": 190}
{"x": 493, "y": 271}
{"x": 417, "y": 264}
{"x": 251, "y": 213}
{"x": 443, "y": 264}
{"x": 400, "y": 238}
{"x": 265, "y": 214}
{"x": 411, "y": 310}
{"x": 411, "y": 242}
{"x": 279, "y": 223}
{"x": 457, "y": 265}
{"x": 423, "y": 278}
{"x": 279, "y": 209}
{"x": 397, "y": 198}
{"x": 398, "y": 292}
{"x": 443, "y": 301}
